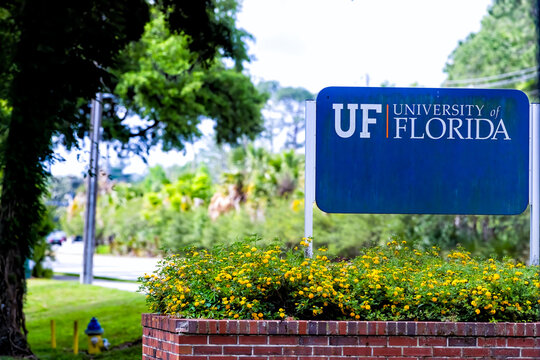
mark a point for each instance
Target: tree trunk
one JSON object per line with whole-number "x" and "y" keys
{"x": 23, "y": 154}
{"x": 12, "y": 289}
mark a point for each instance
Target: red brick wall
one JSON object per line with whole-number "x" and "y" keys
{"x": 174, "y": 339}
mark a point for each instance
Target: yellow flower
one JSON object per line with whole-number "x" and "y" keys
{"x": 434, "y": 299}
{"x": 406, "y": 307}
{"x": 368, "y": 307}
{"x": 477, "y": 311}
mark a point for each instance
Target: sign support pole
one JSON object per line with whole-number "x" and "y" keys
{"x": 309, "y": 187}
{"x": 535, "y": 185}
{"x": 87, "y": 274}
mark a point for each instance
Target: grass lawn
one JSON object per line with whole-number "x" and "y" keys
{"x": 119, "y": 313}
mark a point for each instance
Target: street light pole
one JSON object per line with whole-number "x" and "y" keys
{"x": 91, "y": 195}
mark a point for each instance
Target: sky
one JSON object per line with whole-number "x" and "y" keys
{"x": 319, "y": 43}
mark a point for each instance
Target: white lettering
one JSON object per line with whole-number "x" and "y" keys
{"x": 413, "y": 130}
{"x": 366, "y": 120}
{"x": 503, "y": 131}
{"x": 337, "y": 120}
{"x": 400, "y": 127}
{"x": 478, "y": 137}
{"x": 428, "y": 131}
{"x": 452, "y": 127}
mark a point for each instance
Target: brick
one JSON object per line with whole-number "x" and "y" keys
{"x": 372, "y": 328}
{"x": 500, "y": 329}
{"x": 326, "y": 350}
{"x": 462, "y": 341}
{"x": 343, "y": 340}
{"x": 402, "y": 341}
{"x": 283, "y": 340}
{"x": 191, "y": 339}
{"x": 411, "y": 328}
{"x": 268, "y": 350}
{"x": 297, "y": 350}
{"x": 212, "y": 326}
{"x": 381, "y": 327}
{"x": 391, "y": 328}
{"x": 417, "y": 351}
{"x": 312, "y": 328}
{"x": 292, "y": 327}
{"x": 421, "y": 328}
{"x": 224, "y": 358}
{"x": 448, "y": 328}
{"x": 387, "y": 351}
{"x": 491, "y": 342}
{"x": 535, "y": 353}
{"x": 356, "y": 351}
{"x": 352, "y": 328}
{"x": 272, "y": 327}
{"x": 282, "y": 328}
{"x": 432, "y": 341}
{"x": 192, "y": 358}
{"x": 476, "y": 352}
{"x": 207, "y": 350}
{"x": 312, "y": 358}
{"x": 505, "y": 352}
{"x": 332, "y": 328}
{"x": 401, "y": 328}
{"x": 222, "y": 327}
{"x": 362, "y": 328}
{"x": 313, "y": 340}
{"x": 184, "y": 350}
{"x": 519, "y": 329}
{"x": 530, "y": 329}
{"x": 232, "y": 327}
{"x": 521, "y": 342}
{"x": 342, "y": 327}
{"x": 262, "y": 327}
{"x": 322, "y": 328}
{"x": 237, "y": 350}
{"x": 243, "y": 326}
{"x": 445, "y": 351}
{"x": 229, "y": 339}
{"x": 253, "y": 340}
{"x": 372, "y": 340}
{"x": 490, "y": 329}
{"x": 302, "y": 327}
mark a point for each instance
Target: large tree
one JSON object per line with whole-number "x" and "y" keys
{"x": 503, "y": 54}
{"x": 54, "y": 56}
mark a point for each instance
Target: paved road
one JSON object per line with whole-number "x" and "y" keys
{"x": 69, "y": 257}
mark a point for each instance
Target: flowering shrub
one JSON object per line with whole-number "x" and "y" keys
{"x": 395, "y": 282}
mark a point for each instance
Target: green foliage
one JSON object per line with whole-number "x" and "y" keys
{"x": 168, "y": 85}
{"x": 506, "y": 42}
{"x": 41, "y": 250}
{"x": 395, "y": 282}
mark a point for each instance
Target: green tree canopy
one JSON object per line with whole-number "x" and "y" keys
{"x": 54, "y": 57}
{"x": 503, "y": 53}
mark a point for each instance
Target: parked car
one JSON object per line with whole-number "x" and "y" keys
{"x": 56, "y": 237}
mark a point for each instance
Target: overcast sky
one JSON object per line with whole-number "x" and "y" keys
{"x": 320, "y": 43}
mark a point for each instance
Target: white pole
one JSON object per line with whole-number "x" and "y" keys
{"x": 309, "y": 188}
{"x": 91, "y": 197}
{"x": 535, "y": 185}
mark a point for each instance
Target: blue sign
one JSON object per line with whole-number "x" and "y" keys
{"x": 422, "y": 151}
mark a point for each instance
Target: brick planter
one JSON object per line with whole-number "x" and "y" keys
{"x": 199, "y": 339}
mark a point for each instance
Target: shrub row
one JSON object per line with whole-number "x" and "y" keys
{"x": 395, "y": 282}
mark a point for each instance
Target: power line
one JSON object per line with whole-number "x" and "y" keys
{"x": 517, "y": 73}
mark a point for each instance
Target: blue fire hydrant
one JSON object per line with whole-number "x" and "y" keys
{"x": 95, "y": 342}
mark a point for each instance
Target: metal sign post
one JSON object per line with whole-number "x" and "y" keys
{"x": 91, "y": 198}
{"x": 309, "y": 188}
{"x": 535, "y": 185}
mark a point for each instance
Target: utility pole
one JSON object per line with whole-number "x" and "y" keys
{"x": 91, "y": 194}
